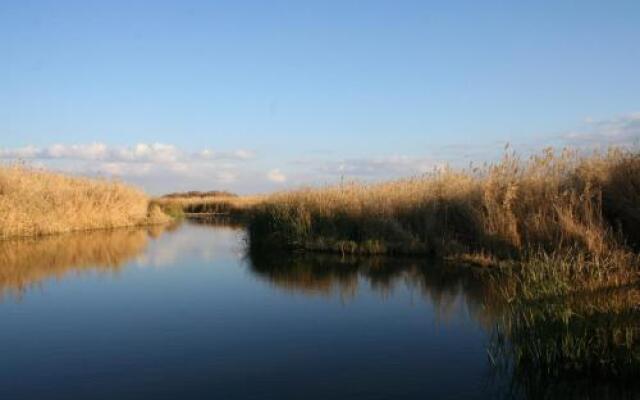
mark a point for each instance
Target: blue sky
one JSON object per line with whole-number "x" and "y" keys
{"x": 259, "y": 95}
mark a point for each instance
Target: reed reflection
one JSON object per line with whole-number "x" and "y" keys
{"x": 582, "y": 346}
{"x": 26, "y": 263}
{"x": 449, "y": 288}
{"x": 586, "y": 345}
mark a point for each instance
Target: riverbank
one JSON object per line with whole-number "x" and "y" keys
{"x": 556, "y": 235}
{"x": 35, "y": 202}
{"x": 207, "y": 205}
{"x": 550, "y": 202}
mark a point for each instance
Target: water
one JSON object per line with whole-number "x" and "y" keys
{"x": 186, "y": 313}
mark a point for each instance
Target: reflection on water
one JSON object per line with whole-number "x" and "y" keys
{"x": 581, "y": 346}
{"x": 585, "y": 346}
{"x": 449, "y": 289}
{"x": 27, "y": 262}
{"x": 189, "y": 304}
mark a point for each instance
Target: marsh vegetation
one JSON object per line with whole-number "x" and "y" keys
{"x": 549, "y": 202}
{"x": 206, "y": 204}
{"x": 544, "y": 250}
{"x": 35, "y": 202}
{"x": 557, "y": 235}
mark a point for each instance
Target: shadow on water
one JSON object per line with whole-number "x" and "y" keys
{"x": 583, "y": 347}
{"x": 26, "y": 263}
{"x": 333, "y": 275}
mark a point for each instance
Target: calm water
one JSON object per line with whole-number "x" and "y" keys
{"x": 185, "y": 313}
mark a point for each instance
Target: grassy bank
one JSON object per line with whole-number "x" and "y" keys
{"x": 564, "y": 228}
{"x": 201, "y": 203}
{"x": 35, "y": 202}
{"x": 549, "y": 202}
{"x": 569, "y": 317}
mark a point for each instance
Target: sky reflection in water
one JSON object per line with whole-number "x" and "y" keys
{"x": 183, "y": 312}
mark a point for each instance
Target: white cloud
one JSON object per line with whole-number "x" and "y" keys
{"x": 26, "y": 152}
{"x": 368, "y": 168}
{"x": 276, "y": 176}
{"x": 76, "y": 151}
{"x": 243, "y": 154}
{"x": 208, "y": 154}
{"x": 141, "y": 152}
{"x": 161, "y": 167}
{"x": 164, "y": 165}
{"x": 227, "y": 176}
{"x": 621, "y": 130}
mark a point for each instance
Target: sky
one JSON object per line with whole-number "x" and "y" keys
{"x": 254, "y": 96}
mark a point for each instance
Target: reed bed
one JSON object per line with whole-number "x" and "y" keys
{"x": 199, "y": 194}
{"x": 568, "y": 316}
{"x": 549, "y": 202}
{"x": 590, "y": 332}
{"x": 35, "y": 202}
{"x": 179, "y": 205}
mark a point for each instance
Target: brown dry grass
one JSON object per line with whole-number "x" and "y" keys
{"x": 565, "y": 227}
{"x": 219, "y": 204}
{"x": 35, "y": 202}
{"x": 548, "y": 202}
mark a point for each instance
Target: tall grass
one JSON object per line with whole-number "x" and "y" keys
{"x": 35, "y": 202}
{"x": 180, "y": 204}
{"x": 196, "y": 193}
{"x": 569, "y": 317}
{"x": 549, "y": 202}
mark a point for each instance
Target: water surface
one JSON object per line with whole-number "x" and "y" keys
{"x": 186, "y": 313}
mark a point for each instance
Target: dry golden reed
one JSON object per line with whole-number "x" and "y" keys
{"x": 223, "y": 203}
{"x": 35, "y": 202}
{"x": 549, "y": 202}
{"x": 565, "y": 227}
